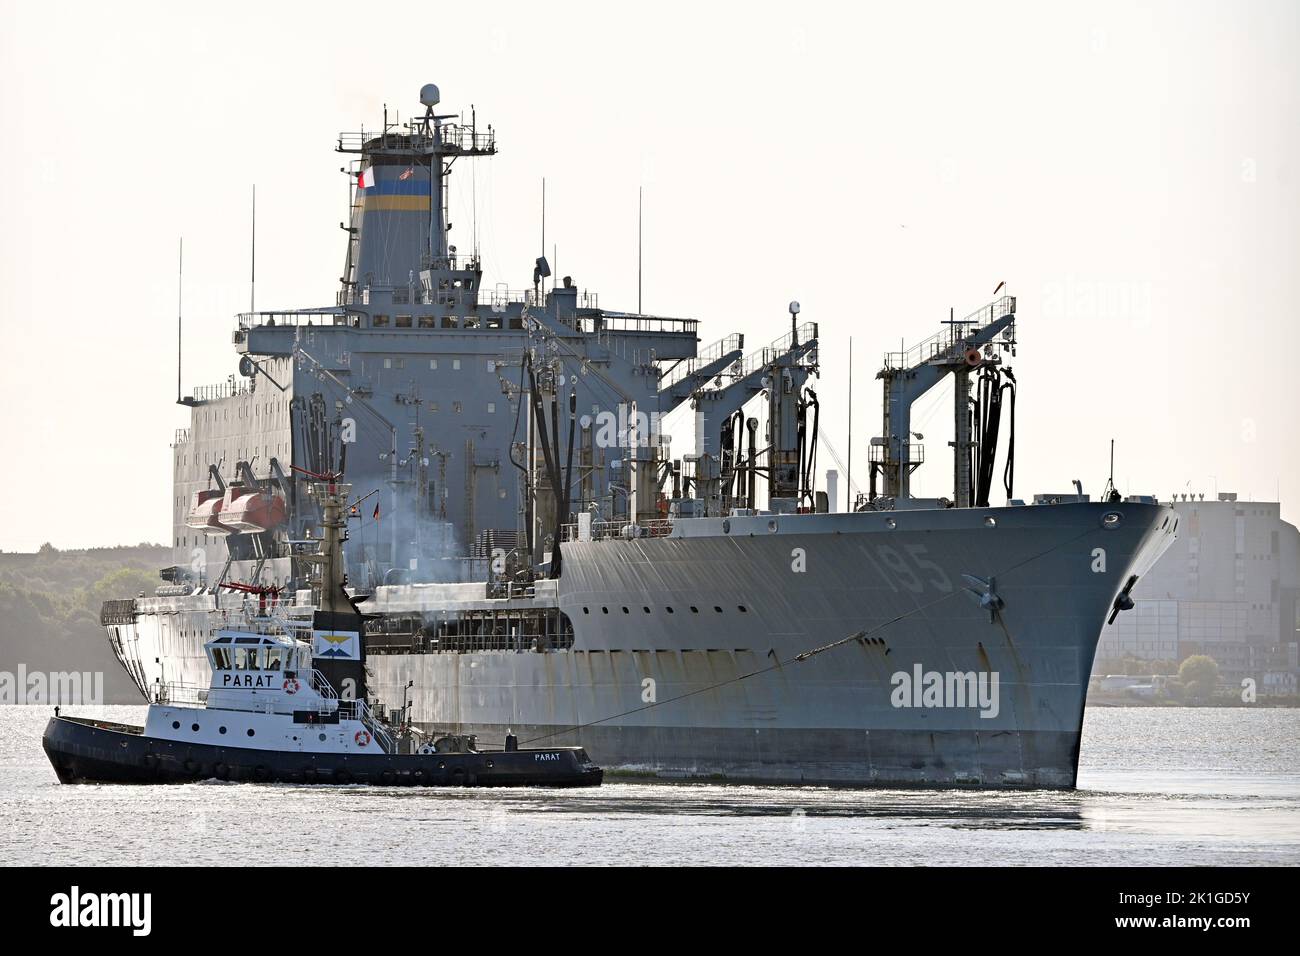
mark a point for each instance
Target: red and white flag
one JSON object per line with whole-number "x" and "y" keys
{"x": 366, "y": 179}
{"x": 407, "y": 173}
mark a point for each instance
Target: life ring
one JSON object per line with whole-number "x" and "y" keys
{"x": 341, "y": 775}
{"x": 361, "y": 738}
{"x": 420, "y": 776}
{"x": 192, "y": 766}
{"x": 291, "y": 685}
{"x": 388, "y": 777}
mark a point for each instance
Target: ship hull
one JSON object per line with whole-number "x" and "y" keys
{"x": 690, "y": 655}
{"x": 86, "y": 751}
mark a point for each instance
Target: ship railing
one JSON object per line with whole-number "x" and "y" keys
{"x": 360, "y": 710}
{"x": 724, "y": 346}
{"x": 880, "y": 454}
{"x": 182, "y": 436}
{"x": 412, "y": 137}
{"x": 322, "y": 685}
{"x": 636, "y": 322}
{"x": 213, "y": 393}
{"x": 302, "y": 317}
{"x": 174, "y": 692}
{"x": 622, "y": 530}
{"x": 952, "y": 339}
{"x": 770, "y": 353}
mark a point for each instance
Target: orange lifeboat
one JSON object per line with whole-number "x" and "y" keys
{"x": 205, "y": 512}
{"x": 246, "y": 510}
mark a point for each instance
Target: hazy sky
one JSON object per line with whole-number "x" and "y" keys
{"x": 1129, "y": 170}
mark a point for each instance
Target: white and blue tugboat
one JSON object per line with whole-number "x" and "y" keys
{"x": 273, "y": 712}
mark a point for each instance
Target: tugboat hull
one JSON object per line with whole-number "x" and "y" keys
{"x": 90, "y": 751}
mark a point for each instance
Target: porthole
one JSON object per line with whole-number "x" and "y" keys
{"x": 194, "y": 727}
{"x": 742, "y": 609}
{"x": 669, "y": 610}
{"x": 771, "y": 525}
{"x": 322, "y": 738}
{"x": 694, "y": 609}
{"x": 490, "y": 765}
{"x": 586, "y": 611}
{"x": 221, "y": 730}
{"x": 625, "y": 610}
{"x": 990, "y": 522}
{"x": 251, "y": 732}
{"x": 176, "y": 725}
{"x": 646, "y": 609}
{"x": 726, "y": 526}
{"x": 891, "y": 524}
{"x": 718, "y": 609}
{"x": 604, "y": 610}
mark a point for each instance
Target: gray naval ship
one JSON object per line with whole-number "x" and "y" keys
{"x": 536, "y": 556}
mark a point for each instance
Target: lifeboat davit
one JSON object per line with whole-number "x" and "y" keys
{"x": 205, "y": 512}
{"x": 246, "y": 510}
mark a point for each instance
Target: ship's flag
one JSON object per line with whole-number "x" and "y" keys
{"x": 376, "y": 510}
{"x": 999, "y": 288}
{"x": 407, "y": 173}
{"x": 366, "y": 179}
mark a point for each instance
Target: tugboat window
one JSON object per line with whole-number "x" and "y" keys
{"x": 251, "y": 732}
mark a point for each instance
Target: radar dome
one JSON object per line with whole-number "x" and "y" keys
{"x": 429, "y": 95}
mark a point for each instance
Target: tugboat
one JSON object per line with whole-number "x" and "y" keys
{"x": 272, "y": 712}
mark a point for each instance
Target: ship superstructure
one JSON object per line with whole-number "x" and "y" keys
{"x": 534, "y": 553}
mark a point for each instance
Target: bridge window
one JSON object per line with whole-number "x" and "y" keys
{"x": 379, "y": 321}
{"x": 427, "y": 321}
{"x": 449, "y": 322}
{"x": 403, "y": 321}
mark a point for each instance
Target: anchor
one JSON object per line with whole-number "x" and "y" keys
{"x": 1123, "y": 601}
{"x": 985, "y": 594}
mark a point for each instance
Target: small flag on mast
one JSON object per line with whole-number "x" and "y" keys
{"x": 999, "y": 288}
{"x": 376, "y": 510}
{"x": 366, "y": 179}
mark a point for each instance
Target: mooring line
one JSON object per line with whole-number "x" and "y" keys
{"x": 804, "y": 655}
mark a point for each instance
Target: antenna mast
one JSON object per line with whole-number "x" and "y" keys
{"x": 543, "y": 228}
{"x": 848, "y": 491}
{"x": 639, "y": 191}
{"x": 252, "y": 273}
{"x": 180, "y": 290}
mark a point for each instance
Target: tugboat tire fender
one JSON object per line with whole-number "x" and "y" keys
{"x": 221, "y": 771}
{"x": 261, "y": 774}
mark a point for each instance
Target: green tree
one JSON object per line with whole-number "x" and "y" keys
{"x": 1199, "y": 674}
